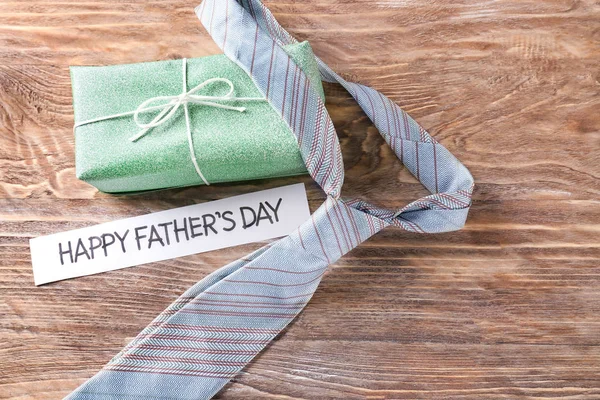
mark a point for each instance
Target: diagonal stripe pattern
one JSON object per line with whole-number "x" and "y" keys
{"x": 193, "y": 348}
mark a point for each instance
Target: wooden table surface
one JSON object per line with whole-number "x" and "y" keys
{"x": 507, "y": 308}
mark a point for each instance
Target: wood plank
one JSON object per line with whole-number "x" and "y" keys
{"x": 506, "y": 308}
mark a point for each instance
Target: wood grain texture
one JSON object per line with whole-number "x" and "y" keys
{"x": 508, "y": 308}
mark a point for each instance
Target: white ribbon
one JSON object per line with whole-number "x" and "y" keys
{"x": 169, "y": 105}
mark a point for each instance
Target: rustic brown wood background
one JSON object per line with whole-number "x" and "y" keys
{"x": 507, "y": 308}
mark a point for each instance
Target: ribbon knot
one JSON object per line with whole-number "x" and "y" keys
{"x": 167, "y": 107}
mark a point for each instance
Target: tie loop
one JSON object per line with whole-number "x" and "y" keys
{"x": 258, "y": 32}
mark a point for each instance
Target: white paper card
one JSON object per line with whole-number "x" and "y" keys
{"x": 168, "y": 234}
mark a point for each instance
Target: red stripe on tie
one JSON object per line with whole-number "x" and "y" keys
{"x": 285, "y": 86}
{"x": 316, "y": 139}
{"x": 183, "y": 360}
{"x": 320, "y": 241}
{"x": 167, "y": 336}
{"x": 218, "y": 304}
{"x": 452, "y": 198}
{"x": 266, "y": 19}
{"x": 387, "y": 117}
{"x": 334, "y": 233}
{"x": 414, "y": 225}
{"x": 333, "y": 153}
{"x": 300, "y": 76}
{"x": 196, "y": 350}
{"x": 299, "y": 124}
{"x": 435, "y": 172}
{"x": 406, "y": 126}
{"x": 396, "y": 109}
{"x": 417, "y": 158}
{"x": 238, "y": 314}
{"x": 300, "y": 304}
{"x": 370, "y": 101}
{"x": 338, "y": 164}
{"x": 254, "y": 51}
{"x": 205, "y": 328}
{"x": 393, "y": 134}
{"x": 285, "y": 271}
{"x": 292, "y": 97}
{"x": 300, "y": 237}
{"x": 318, "y": 128}
{"x": 423, "y": 134}
{"x": 270, "y": 66}
{"x": 342, "y": 222}
{"x": 466, "y": 193}
{"x": 170, "y": 371}
{"x": 304, "y": 106}
{"x": 259, "y": 295}
{"x": 274, "y": 284}
{"x": 439, "y": 203}
{"x": 371, "y": 226}
{"x": 303, "y": 112}
{"x": 252, "y": 12}
{"x": 353, "y": 224}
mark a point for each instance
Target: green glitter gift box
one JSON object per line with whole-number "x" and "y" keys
{"x": 229, "y": 145}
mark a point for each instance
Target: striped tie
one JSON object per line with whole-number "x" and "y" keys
{"x": 213, "y": 330}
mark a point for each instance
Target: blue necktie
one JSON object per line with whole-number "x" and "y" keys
{"x": 193, "y": 348}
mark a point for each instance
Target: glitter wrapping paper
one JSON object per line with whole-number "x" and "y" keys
{"x": 229, "y": 146}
